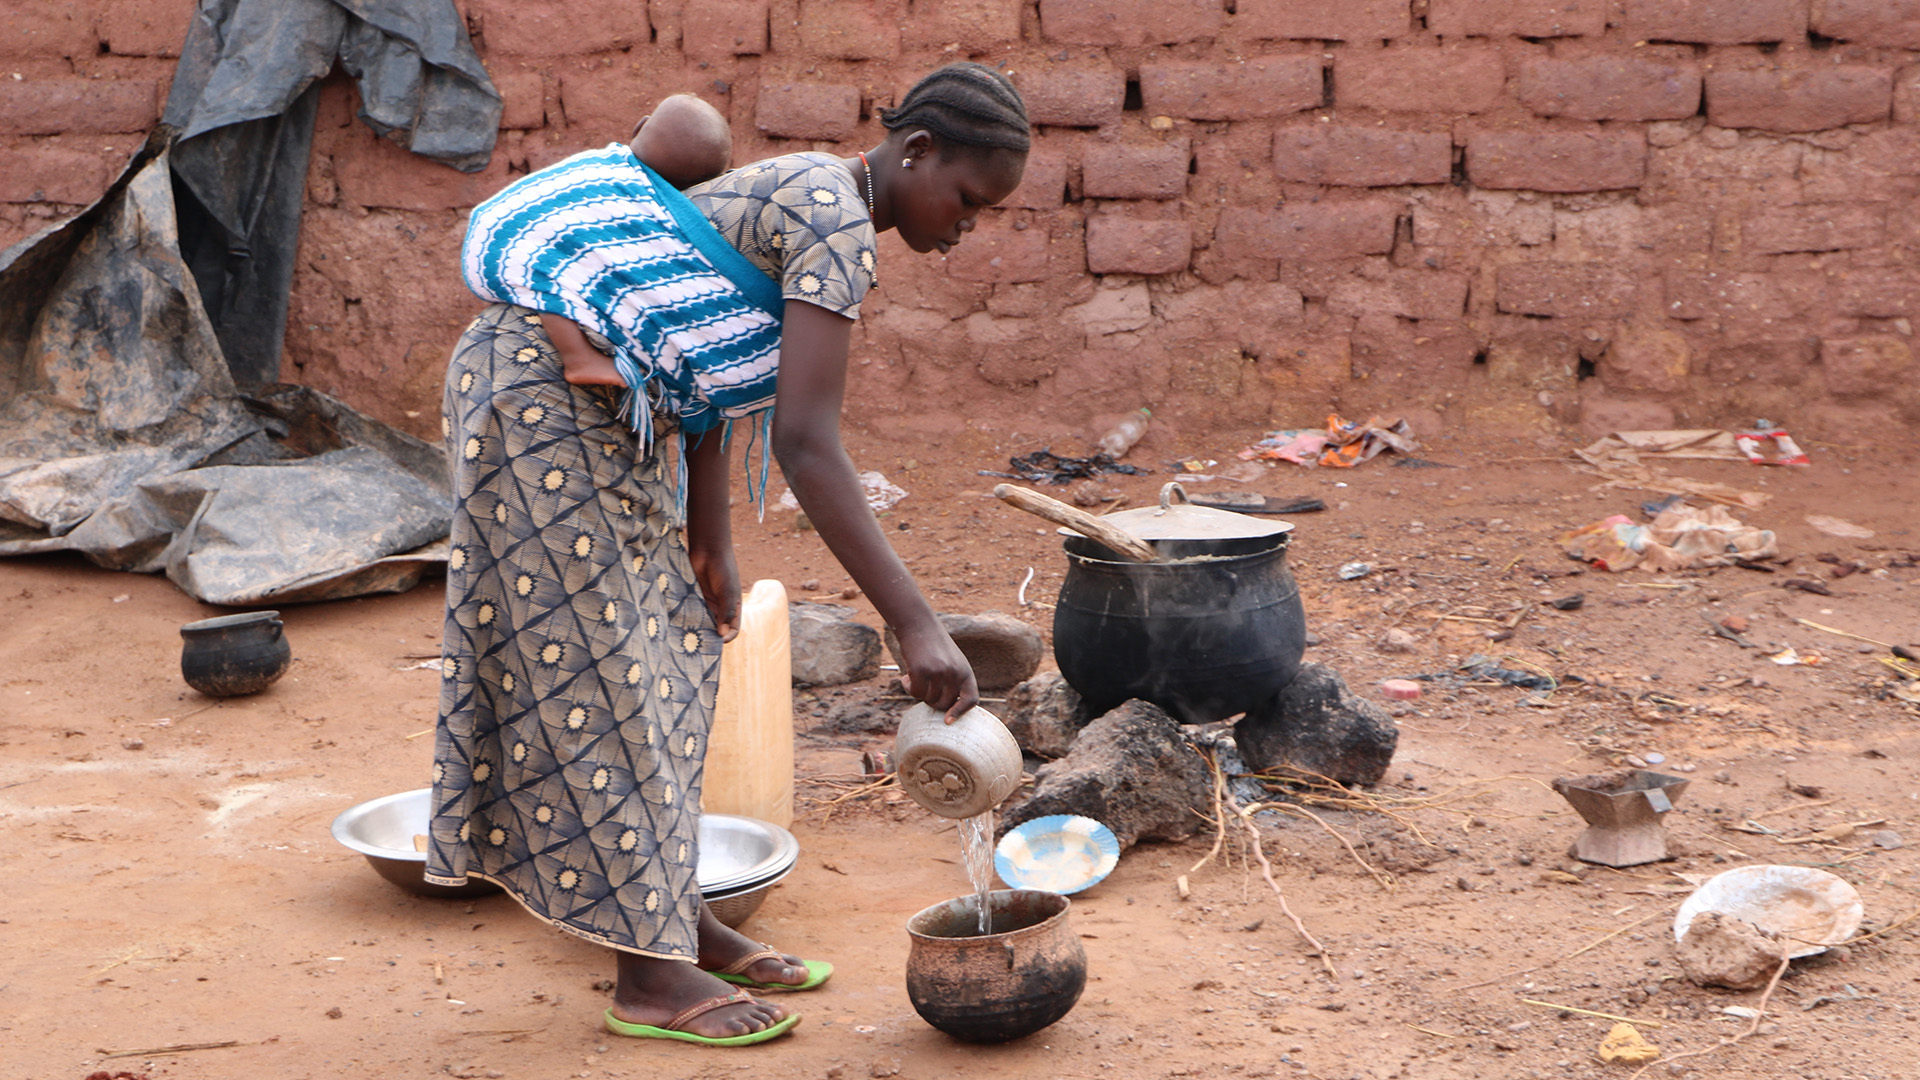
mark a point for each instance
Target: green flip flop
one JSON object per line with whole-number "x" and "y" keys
{"x": 818, "y": 971}
{"x": 673, "y": 1028}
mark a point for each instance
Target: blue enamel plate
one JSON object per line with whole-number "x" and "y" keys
{"x": 1062, "y": 853}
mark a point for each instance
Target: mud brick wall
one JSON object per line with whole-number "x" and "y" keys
{"x": 1518, "y": 215}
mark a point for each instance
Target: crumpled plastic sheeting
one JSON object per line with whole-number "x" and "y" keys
{"x": 243, "y": 102}
{"x": 124, "y": 438}
{"x": 420, "y": 82}
{"x": 1680, "y": 538}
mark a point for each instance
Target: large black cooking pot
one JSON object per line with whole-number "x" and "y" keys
{"x": 1212, "y": 630}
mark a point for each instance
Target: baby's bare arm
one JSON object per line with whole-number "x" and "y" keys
{"x": 584, "y": 365}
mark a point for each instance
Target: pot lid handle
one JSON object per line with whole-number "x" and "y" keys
{"x": 1167, "y": 491}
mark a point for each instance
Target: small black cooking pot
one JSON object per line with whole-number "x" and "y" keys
{"x": 1212, "y": 630}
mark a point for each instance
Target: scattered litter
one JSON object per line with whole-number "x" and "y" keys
{"x": 1421, "y": 463}
{"x": 1400, "y": 689}
{"x": 1886, "y": 839}
{"x": 1341, "y": 445}
{"x": 1817, "y": 588}
{"x": 1705, "y": 444}
{"x": 1834, "y": 526}
{"x": 1120, "y": 438}
{"x": 1043, "y": 466}
{"x": 1625, "y": 1045}
{"x": 1354, "y": 571}
{"x": 1786, "y": 451}
{"x": 1479, "y": 666}
{"x": 123, "y": 598}
{"x": 1298, "y": 446}
{"x": 881, "y": 494}
{"x": 1791, "y": 657}
{"x": 427, "y": 665}
{"x": 1680, "y": 538}
{"x": 1741, "y": 1012}
{"x": 1568, "y": 603}
{"x": 1621, "y": 460}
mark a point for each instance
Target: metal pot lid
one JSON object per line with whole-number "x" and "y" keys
{"x": 1178, "y": 519}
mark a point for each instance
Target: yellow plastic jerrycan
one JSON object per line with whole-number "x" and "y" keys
{"x": 750, "y": 750}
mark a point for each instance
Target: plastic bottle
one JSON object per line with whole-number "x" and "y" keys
{"x": 1120, "y": 439}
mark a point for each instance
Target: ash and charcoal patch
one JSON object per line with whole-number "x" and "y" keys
{"x": 1218, "y": 742}
{"x": 832, "y": 712}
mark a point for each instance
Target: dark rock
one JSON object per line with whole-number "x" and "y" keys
{"x": 1317, "y": 725}
{"x": 829, "y": 647}
{"x": 1003, "y": 650}
{"x": 1045, "y": 714}
{"x": 1131, "y": 770}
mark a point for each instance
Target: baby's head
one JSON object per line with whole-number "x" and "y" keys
{"x": 685, "y": 140}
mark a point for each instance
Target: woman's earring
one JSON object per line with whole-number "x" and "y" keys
{"x": 906, "y": 163}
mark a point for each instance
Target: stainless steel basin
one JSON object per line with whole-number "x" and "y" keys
{"x": 736, "y": 853}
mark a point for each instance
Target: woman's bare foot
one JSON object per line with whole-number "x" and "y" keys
{"x": 653, "y": 992}
{"x": 722, "y": 946}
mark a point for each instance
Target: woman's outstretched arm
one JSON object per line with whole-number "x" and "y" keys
{"x": 806, "y": 440}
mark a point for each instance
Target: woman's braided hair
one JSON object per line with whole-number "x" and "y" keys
{"x": 965, "y": 103}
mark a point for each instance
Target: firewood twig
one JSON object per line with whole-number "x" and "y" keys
{"x": 1266, "y": 871}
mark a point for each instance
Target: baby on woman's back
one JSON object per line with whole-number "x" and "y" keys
{"x": 687, "y": 142}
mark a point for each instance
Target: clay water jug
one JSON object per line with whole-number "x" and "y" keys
{"x": 1022, "y": 976}
{"x": 750, "y": 749}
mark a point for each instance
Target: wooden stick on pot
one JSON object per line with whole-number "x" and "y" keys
{"x": 1121, "y": 541}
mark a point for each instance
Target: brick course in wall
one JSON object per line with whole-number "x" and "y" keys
{"x": 1671, "y": 211}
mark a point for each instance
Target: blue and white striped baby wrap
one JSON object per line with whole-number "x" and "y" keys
{"x": 601, "y": 239}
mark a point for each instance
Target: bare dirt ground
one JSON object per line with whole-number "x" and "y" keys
{"x": 169, "y": 878}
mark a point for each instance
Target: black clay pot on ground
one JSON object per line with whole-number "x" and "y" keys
{"x": 234, "y": 654}
{"x": 1213, "y": 629}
